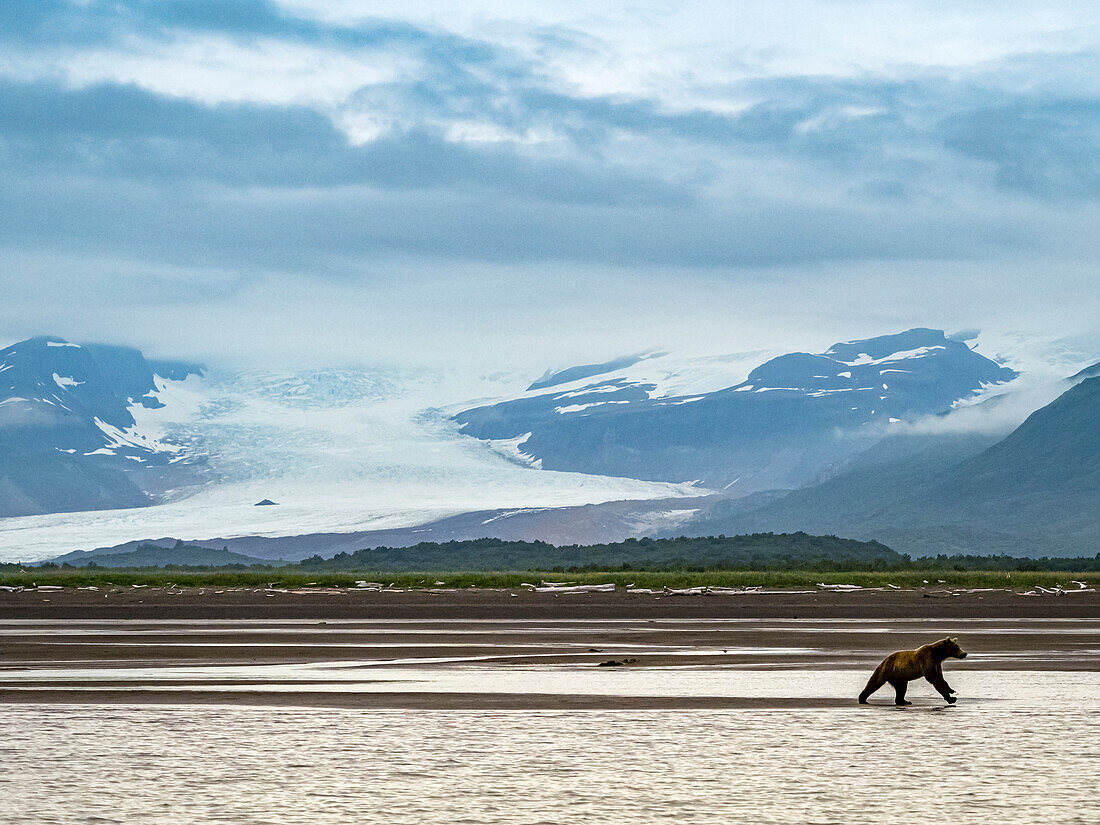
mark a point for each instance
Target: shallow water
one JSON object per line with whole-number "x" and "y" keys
{"x": 1002, "y": 762}
{"x": 1024, "y": 689}
{"x": 1021, "y": 746}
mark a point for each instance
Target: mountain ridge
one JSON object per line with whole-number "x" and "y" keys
{"x": 69, "y": 440}
{"x": 835, "y": 404}
{"x": 1037, "y": 487}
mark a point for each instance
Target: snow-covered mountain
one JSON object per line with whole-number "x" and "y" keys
{"x": 339, "y": 451}
{"x": 353, "y": 456}
{"x": 789, "y": 421}
{"x": 69, "y": 438}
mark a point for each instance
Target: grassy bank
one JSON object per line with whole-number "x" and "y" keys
{"x": 792, "y": 579}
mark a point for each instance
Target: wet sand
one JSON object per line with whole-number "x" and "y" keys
{"x": 490, "y": 650}
{"x": 419, "y": 701}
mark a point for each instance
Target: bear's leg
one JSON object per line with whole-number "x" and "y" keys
{"x": 940, "y": 684}
{"x": 899, "y": 692}
{"x": 876, "y": 681}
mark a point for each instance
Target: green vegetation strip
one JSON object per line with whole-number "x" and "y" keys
{"x": 931, "y": 579}
{"x": 774, "y": 560}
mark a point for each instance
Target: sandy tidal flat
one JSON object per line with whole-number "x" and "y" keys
{"x": 495, "y": 649}
{"x": 474, "y": 708}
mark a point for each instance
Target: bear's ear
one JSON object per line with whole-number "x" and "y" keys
{"x": 954, "y": 639}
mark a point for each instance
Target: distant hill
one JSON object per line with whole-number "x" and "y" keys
{"x": 742, "y": 552}
{"x": 1035, "y": 492}
{"x": 490, "y": 554}
{"x": 152, "y": 555}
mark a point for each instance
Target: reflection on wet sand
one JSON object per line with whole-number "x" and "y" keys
{"x": 382, "y": 663}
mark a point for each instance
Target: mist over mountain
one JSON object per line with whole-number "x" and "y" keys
{"x": 1036, "y": 491}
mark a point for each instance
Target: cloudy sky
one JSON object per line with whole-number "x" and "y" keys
{"x": 328, "y": 180}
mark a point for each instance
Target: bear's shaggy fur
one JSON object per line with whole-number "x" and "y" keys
{"x": 902, "y": 667}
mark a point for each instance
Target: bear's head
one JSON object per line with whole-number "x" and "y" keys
{"x": 949, "y": 649}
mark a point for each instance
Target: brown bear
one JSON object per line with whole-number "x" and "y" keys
{"x": 902, "y": 667}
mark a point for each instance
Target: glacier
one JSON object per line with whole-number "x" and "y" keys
{"x": 340, "y": 450}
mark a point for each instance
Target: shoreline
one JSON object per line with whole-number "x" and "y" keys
{"x": 503, "y": 604}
